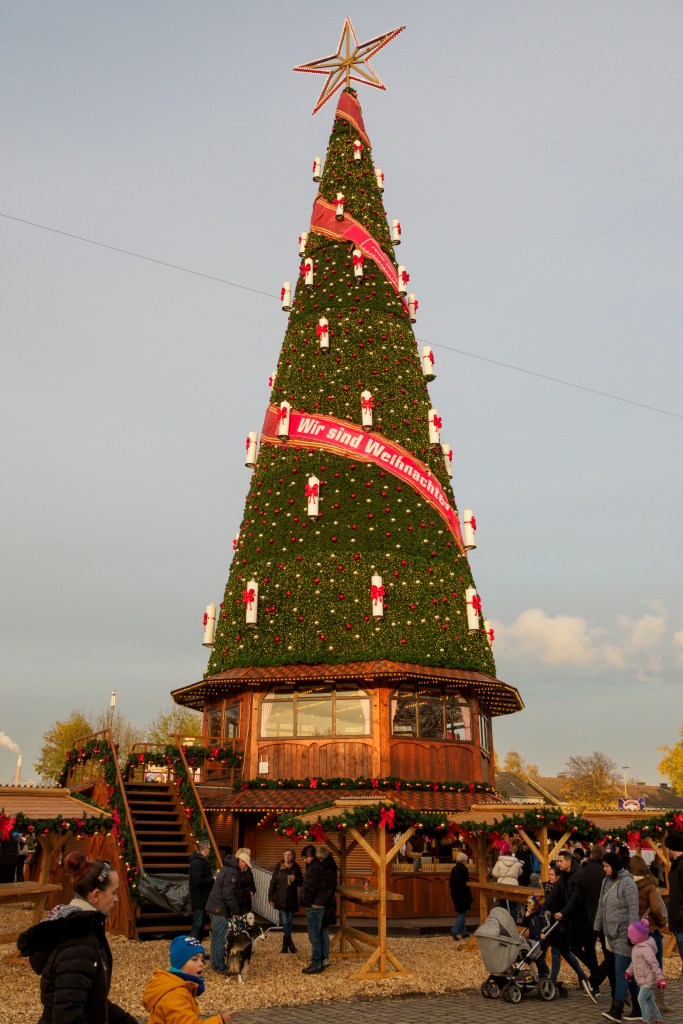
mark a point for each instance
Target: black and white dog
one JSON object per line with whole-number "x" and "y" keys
{"x": 239, "y": 944}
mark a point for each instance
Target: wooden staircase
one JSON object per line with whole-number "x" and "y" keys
{"x": 163, "y": 838}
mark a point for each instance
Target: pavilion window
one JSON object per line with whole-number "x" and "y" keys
{"x": 485, "y": 732}
{"x": 315, "y": 711}
{"x": 430, "y": 713}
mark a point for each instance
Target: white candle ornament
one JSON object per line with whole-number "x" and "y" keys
{"x": 473, "y": 608}
{"x": 235, "y": 542}
{"x": 340, "y": 206}
{"x": 313, "y": 497}
{"x": 357, "y": 263}
{"x": 307, "y": 272}
{"x": 412, "y": 308}
{"x": 271, "y": 380}
{"x": 303, "y": 239}
{"x": 357, "y": 149}
{"x": 403, "y": 278}
{"x": 435, "y": 423}
{"x": 469, "y": 528}
{"x": 283, "y": 421}
{"x": 448, "y": 458}
{"x": 250, "y": 599}
{"x": 379, "y": 178}
{"x": 317, "y": 173}
{"x": 323, "y": 334}
{"x": 427, "y": 363}
{"x": 252, "y": 444}
{"x": 377, "y": 597}
{"x": 209, "y": 625}
{"x": 366, "y": 407}
{"x": 490, "y": 634}
{"x": 286, "y": 296}
{"x": 395, "y": 232}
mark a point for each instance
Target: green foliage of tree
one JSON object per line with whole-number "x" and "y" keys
{"x": 57, "y": 740}
{"x": 592, "y": 781}
{"x": 314, "y": 578}
{"x": 514, "y": 762}
{"x": 178, "y": 721}
{"x": 671, "y": 766}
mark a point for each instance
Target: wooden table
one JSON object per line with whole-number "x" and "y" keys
{"x": 25, "y": 892}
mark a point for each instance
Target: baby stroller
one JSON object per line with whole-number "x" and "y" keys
{"x": 509, "y": 959}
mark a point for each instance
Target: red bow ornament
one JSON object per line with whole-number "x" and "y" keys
{"x": 206, "y": 617}
{"x": 377, "y": 593}
{"x": 282, "y": 294}
{"x": 405, "y": 276}
{"x": 471, "y": 522}
{"x": 476, "y": 603}
{"x": 305, "y": 268}
{"x": 318, "y": 832}
{"x": 358, "y": 261}
{"x": 313, "y": 784}
{"x": 321, "y": 329}
{"x": 398, "y": 223}
{"x": 438, "y": 422}
{"x": 387, "y": 818}
{"x": 367, "y": 403}
{"x": 247, "y": 445}
{"x": 282, "y": 413}
{"x": 311, "y": 491}
{"x": 430, "y": 354}
{"x": 248, "y": 597}
{"x": 357, "y": 147}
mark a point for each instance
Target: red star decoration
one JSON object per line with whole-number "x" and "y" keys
{"x": 349, "y": 64}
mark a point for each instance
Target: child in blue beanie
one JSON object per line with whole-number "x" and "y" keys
{"x": 170, "y": 996}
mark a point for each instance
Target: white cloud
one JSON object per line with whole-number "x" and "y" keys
{"x": 640, "y": 646}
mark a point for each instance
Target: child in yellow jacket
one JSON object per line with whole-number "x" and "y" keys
{"x": 171, "y": 996}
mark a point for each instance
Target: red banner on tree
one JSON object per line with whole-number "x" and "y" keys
{"x": 324, "y": 222}
{"x": 350, "y": 440}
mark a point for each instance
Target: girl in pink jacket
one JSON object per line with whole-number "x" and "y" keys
{"x": 645, "y": 969}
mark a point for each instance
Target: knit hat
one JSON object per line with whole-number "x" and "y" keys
{"x": 183, "y": 949}
{"x": 504, "y": 849}
{"x": 638, "y": 931}
{"x": 674, "y": 841}
{"x": 244, "y": 854}
{"x": 614, "y": 861}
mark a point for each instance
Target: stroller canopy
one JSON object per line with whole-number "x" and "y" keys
{"x": 500, "y": 944}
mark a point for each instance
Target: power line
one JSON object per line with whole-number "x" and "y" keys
{"x": 270, "y": 295}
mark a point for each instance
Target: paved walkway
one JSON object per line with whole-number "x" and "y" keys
{"x": 469, "y": 1007}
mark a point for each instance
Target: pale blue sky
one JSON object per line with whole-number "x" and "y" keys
{"x": 533, "y": 153}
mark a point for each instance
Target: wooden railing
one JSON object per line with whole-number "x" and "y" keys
{"x": 205, "y": 823}
{"x": 107, "y": 738}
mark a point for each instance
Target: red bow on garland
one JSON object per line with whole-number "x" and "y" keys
{"x": 311, "y": 491}
{"x": 357, "y": 147}
{"x": 386, "y": 818}
{"x": 438, "y": 422}
{"x": 321, "y": 329}
{"x": 376, "y": 593}
{"x": 313, "y": 784}
{"x": 282, "y": 413}
{"x": 6, "y": 826}
{"x": 305, "y": 268}
{"x": 476, "y": 603}
{"x": 248, "y": 597}
{"x": 318, "y": 833}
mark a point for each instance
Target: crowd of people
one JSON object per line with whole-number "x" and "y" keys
{"x": 603, "y": 896}
{"x": 606, "y": 897}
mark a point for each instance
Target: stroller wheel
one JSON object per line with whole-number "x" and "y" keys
{"x": 546, "y": 989}
{"x": 513, "y": 992}
{"x": 494, "y": 990}
{"x": 485, "y": 990}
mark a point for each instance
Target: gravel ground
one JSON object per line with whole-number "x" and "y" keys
{"x": 440, "y": 966}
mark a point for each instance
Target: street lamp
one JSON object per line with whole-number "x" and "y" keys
{"x": 112, "y": 708}
{"x": 625, "y": 768}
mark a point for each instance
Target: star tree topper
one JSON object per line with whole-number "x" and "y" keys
{"x": 349, "y": 64}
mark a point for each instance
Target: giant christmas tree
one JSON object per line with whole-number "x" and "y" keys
{"x": 350, "y": 563}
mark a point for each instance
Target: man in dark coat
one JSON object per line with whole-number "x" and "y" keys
{"x": 227, "y": 899}
{"x": 572, "y": 913}
{"x": 461, "y": 894}
{"x": 9, "y": 858}
{"x": 674, "y": 844}
{"x": 201, "y": 884}
{"x": 314, "y": 897}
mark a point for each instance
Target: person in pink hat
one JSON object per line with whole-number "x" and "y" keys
{"x": 645, "y": 969}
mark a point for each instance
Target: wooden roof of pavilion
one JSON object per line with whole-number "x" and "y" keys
{"x": 500, "y": 697}
{"x": 45, "y": 802}
{"x": 302, "y": 800}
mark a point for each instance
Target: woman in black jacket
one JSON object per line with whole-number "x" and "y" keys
{"x": 283, "y": 895}
{"x": 70, "y": 952}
